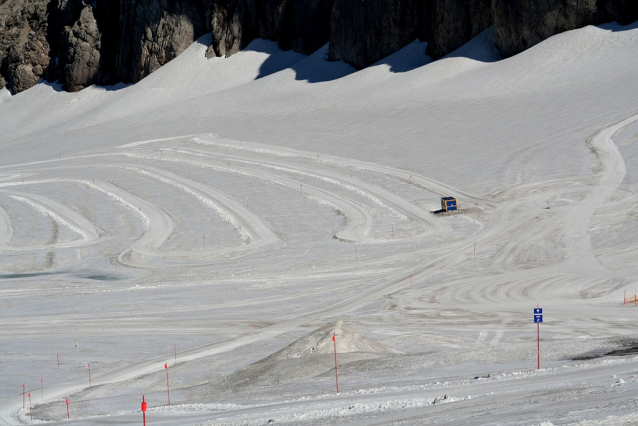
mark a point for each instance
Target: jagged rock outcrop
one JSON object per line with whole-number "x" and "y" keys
{"x": 361, "y": 33}
{"x": 520, "y": 25}
{"x": 79, "y": 43}
{"x": 24, "y": 49}
{"x": 300, "y": 25}
{"x": 151, "y": 33}
{"x": 231, "y": 26}
{"x": 452, "y": 23}
{"x": 82, "y": 52}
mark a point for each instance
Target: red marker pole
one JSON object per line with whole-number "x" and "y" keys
{"x": 89, "y": 374}
{"x": 30, "y": 412}
{"x": 42, "y": 389}
{"x": 410, "y": 279}
{"x": 23, "y": 396}
{"x": 144, "y": 410}
{"x": 334, "y": 339}
{"x": 67, "y": 409}
{"x": 168, "y": 391}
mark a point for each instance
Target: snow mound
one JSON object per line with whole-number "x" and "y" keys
{"x": 320, "y": 342}
{"x": 309, "y": 357}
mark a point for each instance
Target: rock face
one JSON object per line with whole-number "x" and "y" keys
{"x": 520, "y": 25}
{"x": 300, "y": 25}
{"x": 452, "y": 23}
{"x": 81, "y": 52}
{"x": 364, "y": 32}
{"x": 151, "y": 33}
{"x": 79, "y": 43}
{"x": 24, "y": 50}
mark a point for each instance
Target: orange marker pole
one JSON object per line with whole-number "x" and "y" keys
{"x": 168, "y": 391}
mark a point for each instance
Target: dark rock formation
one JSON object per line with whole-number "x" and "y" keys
{"x": 361, "y": 33}
{"x": 79, "y": 43}
{"x": 452, "y": 23}
{"x": 522, "y": 24}
{"x": 300, "y": 25}
{"x": 153, "y": 32}
{"x": 24, "y": 50}
{"x": 82, "y": 52}
{"x": 231, "y": 26}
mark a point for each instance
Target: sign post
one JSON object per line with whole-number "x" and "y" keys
{"x": 30, "y": 412}
{"x": 67, "y": 409}
{"x": 334, "y": 340}
{"x": 89, "y": 374}
{"x": 538, "y": 319}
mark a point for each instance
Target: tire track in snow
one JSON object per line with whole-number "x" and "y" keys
{"x": 57, "y": 212}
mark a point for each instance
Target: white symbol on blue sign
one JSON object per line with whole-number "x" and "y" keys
{"x": 538, "y": 311}
{"x": 538, "y": 318}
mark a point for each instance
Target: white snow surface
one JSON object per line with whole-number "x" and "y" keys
{"x": 225, "y": 217}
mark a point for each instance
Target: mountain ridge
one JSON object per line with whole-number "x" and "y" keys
{"x": 78, "y": 43}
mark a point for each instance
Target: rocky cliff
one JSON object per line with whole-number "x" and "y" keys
{"x": 79, "y": 43}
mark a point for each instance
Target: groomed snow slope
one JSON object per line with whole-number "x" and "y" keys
{"x": 220, "y": 209}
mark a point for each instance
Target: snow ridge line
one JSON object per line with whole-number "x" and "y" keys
{"x": 52, "y": 215}
{"x": 145, "y": 220}
{"x": 223, "y": 214}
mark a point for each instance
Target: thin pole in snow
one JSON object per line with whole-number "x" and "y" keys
{"x": 168, "y": 391}
{"x": 144, "y": 410}
{"x": 30, "y": 412}
{"x": 334, "y": 340}
{"x": 538, "y": 341}
{"x": 58, "y": 355}
{"x": 23, "y": 395}
{"x": 410, "y": 279}
{"x": 67, "y": 409}
{"x": 175, "y": 347}
{"x": 624, "y": 298}
{"x": 89, "y": 365}
{"x": 42, "y": 389}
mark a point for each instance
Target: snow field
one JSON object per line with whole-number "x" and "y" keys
{"x": 232, "y": 206}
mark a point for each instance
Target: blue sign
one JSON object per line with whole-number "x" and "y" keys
{"x": 538, "y": 311}
{"x": 538, "y": 318}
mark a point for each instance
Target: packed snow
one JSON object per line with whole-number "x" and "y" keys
{"x": 213, "y": 226}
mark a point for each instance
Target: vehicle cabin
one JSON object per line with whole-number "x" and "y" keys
{"x": 448, "y": 204}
